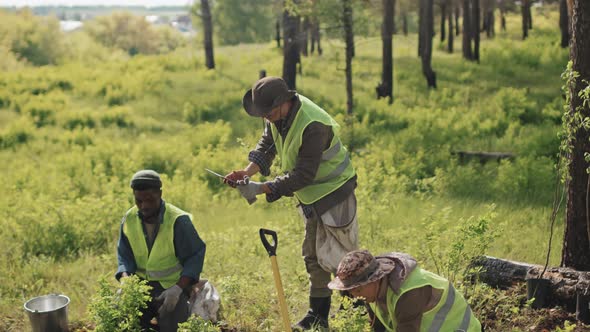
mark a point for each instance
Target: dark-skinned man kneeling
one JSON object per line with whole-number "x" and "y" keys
{"x": 403, "y": 296}
{"x": 159, "y": 243}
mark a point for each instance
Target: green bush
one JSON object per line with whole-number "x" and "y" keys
{"x": 119, "y": 310}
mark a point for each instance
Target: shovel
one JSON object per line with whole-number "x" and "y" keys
{"x": 272, "y": 253}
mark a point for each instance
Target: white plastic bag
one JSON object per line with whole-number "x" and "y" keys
{"x": 205, "y": 301}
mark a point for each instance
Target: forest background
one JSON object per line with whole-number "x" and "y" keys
{"x": 81, "y": 112}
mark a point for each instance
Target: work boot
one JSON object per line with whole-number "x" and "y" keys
{"x": 317, "y": 315}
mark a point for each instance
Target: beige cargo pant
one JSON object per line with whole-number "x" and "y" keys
{"x": 327, "y": 239}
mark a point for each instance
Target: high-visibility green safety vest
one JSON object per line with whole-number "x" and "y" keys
{"x": 335, "y": 167}
{"x": 161, "y": 263}
{"x": 451, "y": 314}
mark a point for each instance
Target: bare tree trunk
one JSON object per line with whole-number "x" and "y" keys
{"x": 457, "y": 14}
{"x": 502, "y": 6}
{"x": 525, "y": 18}
{"x": 529, "y": 14}
{"x": 208, "y": 34}
{"x": 420, "y": 29}
{"x": 315, "y": 36}
{"x": 491, "y": 30}
{"x": 348, "y": 38}
{"x": 298, "y": 44}
{"x": 290, "y": 49}
{"x": 467, "y": 30}
{"x": 451, "y": 35}
{"x": 427, "y": 35}
{"x": 385, "y": 88}
{"x": 304, "y": 35}
{"x": 278, "y": 33}
{"x": 564, "y": 23}
{"x": 576, "y": 239}
{"x": 443, "y": 18}
{"x": 405, "y": 23}
{"x": 476, "y": 31}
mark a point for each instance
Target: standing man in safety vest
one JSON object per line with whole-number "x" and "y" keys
{"x": 404, "y": 297}
{"x": 159, "y": 243}
{"x": 317, "y": 171}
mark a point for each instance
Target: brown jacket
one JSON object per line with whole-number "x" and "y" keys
{"x": 316, "y": 139}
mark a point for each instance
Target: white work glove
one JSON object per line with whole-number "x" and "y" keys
{"x": 249, "y": 189}
{"x": 170, "y": 297}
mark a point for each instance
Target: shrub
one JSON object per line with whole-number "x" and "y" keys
{"x": 197, "y": 324}
{"x": 119, "y": 310}
{"x": 17, "y": 133}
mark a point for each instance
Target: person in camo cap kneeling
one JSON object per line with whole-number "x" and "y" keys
{"x": 403, "y": 296}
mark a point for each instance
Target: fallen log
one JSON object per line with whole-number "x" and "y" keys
{"x": 564, "y": 283}
{"x": 482, "y": 156}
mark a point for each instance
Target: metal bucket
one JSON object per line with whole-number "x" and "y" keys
{"x": 48, "y": 313}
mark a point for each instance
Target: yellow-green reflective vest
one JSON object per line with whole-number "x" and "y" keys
{"x": 335, "y": 167}
{"x": 451, "y": 314}
{"x": 160, "y": 264}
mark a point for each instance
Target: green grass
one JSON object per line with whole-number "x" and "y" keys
{"x": 177, "y": 117}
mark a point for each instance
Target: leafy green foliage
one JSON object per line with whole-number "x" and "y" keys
{"x": 132, "y": 34}
{"x": 197, "y": 324}
{"x": 33, "y": 39}
{"x": 350, "y": 318}
{"x": 119, "y": 310}
{"x": 238, "y": 21}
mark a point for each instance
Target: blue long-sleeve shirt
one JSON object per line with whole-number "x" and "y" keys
{"x": 188, "y": 247}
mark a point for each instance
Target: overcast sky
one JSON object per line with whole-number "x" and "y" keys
{"x": 4, "y": 3}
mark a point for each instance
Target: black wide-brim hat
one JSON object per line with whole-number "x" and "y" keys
{"x": 266, "y": 94}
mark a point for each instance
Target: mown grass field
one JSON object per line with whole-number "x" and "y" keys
{"x": 72, "y": 135}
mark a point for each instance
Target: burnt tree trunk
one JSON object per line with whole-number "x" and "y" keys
{"x": 443, "y": 18}
{"x": 290, "y": 49}
{"x": 278, "y": 33}
{"x": 467, "y": 30}
{"x": 385, "y": 88}
{"x": 576, "y": 242}
{"x": 564, "y": 23}
{"x": 451, "y": 35}
{"x": 208, "y": 34}
{"x": 525, "y": 18}
{"x": 565, "y": 283}
{"x": 420, "y": 29}
{"x": 348, "y": 39}
{"x": 427, "y": 35}
{"x": 491, "y": 30}
{"x": 476, "y": 32}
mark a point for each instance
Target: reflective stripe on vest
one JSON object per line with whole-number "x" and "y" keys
{"x": 335, "y": 167}
{"x": 452, "y": 313}
{"x": 161, "y": 264}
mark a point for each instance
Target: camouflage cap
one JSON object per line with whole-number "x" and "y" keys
{"x": 358, "y": 268}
